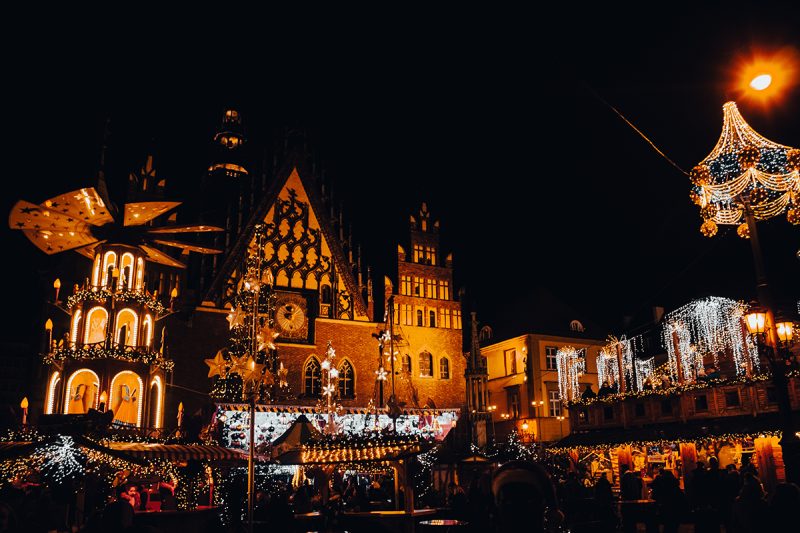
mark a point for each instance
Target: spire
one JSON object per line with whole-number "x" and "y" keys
{"x": 475, "y": 346}
{"x": 102, "y": 187}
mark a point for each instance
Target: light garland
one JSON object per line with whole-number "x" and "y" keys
{"x": 571, "y": 365}
{"x": 330, "y": 391}
{"x": 607, "y": 367}
{"x": 745, "y": 168}
{"x": 103, "y": 295}
{"x": 713, "y": 326}
{"x": 96, "y": 351}
{"x": 644, "y": 370}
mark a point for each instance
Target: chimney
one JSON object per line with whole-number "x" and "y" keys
{"x": 658, "y": 313}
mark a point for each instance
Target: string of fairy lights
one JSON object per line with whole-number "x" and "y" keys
{"x": 711, "y": 327}
{"x": 745, "y": 171}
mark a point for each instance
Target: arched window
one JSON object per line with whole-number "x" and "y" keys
{"x": 95, "y": 328}
{"x": 127, "y": 327}
{"x": 109, "y": 264}
{"x": 83, "y": 392}
{"x": 325, "y": 294}
{"x": 347, "y": 380}
{"x": 312, "y": 378}
{"x": 444, "y": 368}
{"x": 432, "y": 319}
{"x": 155, "y": 403}
{"x": 126, "y": 269}
{"x": 485, "y": 334}
{"x": 147, "y": 330}
{"x": 406, "y": 363}
{"x": 425, "y": 364}
{"x": 576, "y": 325}
{"x": 420, "y": 318}
{"x": 125, "y": 398}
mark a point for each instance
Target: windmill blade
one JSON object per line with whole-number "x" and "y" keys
{"x": 185, "y": 229}
{"x": 85, "y": 205}
{"x": 188, "y": 247}
{"x": 53, "y": 242}
{"x": 160, "y": 257}
{"x": 25, "y": 215}
{"x": 138, "y": 213}
{"x": 88, "y": 251}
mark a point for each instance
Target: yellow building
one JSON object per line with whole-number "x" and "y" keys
{"x": 523, "y": 381}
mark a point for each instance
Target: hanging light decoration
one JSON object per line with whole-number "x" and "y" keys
{"x": 328, "y": 404}
{"x": 710, "y": 326}
{"x": 644, "y": 369}
{"x": 607, "y": 367}
{"x": 745, "y": 168}
{"x": 571, "y": 365}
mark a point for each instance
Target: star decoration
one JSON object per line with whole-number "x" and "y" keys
{"x": 328, "y": 390}
{"x": 235, "y": 318}
{"x": 380, "y": 374}
{"x": 266, "y": 337}
{"x": 254, "y": 370}
{"x": 216, "y": 366}
{"x": 239, "y": 365}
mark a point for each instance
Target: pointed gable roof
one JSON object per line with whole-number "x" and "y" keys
{"x": 294, "y": 168}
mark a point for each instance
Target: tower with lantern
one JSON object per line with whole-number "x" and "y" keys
{"x": 111, "y": 355}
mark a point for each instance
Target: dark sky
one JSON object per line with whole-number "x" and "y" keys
{"x": 495, "y": 118}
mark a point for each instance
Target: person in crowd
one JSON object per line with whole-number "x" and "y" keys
{"x": 118, "y": 513}
{"x": 588, "y": 393}
{"x": 605, "y": 390}
{"x": 457, "y": 501}
{"x": 302, "y": 499}
{"x": 750, "y": 509}
{"x": 784, "y": 505}
{"x": 524, "y": 494}
{"x": 166, "y": 493}
{"x": 669, "y": 500}
{"x": 712, "y": 373}
{"x": 666, "y": 382}
{"x": 605, "y": 505}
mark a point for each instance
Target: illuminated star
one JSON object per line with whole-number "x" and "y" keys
{"x": 216, "y": 366}
{"x": 266, "y": 337}
{"x": 253, "y": 371}
{"x": 381, "y": 374}
{"x": 328, "y": 390}
{"x": 239, "y": 365}
{"x": 235, "y": 318}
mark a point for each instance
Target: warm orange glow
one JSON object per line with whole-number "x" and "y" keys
{"x": 57, "y": 284}
{"x": 174, "y": 293}
{"x": 764, "y": 77}
{"x": 48, "y": 325}
{"x": 103, "y": 397}
{"x": 525, "y": 426}
{"x": 180, "y": 407}
{"x": 24, "y": 403}
{"x": 756, "y": 322}
{"x": 785, "y": 331}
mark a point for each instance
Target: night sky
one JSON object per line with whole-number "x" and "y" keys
{"x": 497, "y": 120}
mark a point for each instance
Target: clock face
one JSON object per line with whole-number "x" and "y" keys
{"x": 291, "y": 317}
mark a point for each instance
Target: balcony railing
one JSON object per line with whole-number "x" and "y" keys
{"x": 108, "y": 350}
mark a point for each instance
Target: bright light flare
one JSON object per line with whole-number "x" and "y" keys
{"x": 765, "y": 77}
{"x": 761, "y": 82}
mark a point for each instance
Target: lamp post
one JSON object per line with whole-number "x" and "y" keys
{"x": 491, "y": 409}
{"x": 537, "y": 404}
{"x": 57, "y": 287}
{"x": 745, "y": 178}
{"x": 24, "y": 405}
{"x": 773, "y": 338}
{"x": 560, "y": 419}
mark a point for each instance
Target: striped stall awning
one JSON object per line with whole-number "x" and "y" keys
{"x": 310, "y": 409}
{"x": 175, "y": 452}
{"x": 332, "y": 454}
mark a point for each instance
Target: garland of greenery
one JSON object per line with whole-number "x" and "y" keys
{"x": 149, "y": 302}
{"x": 94, "y": 352}
{"x": 675, "y": 390}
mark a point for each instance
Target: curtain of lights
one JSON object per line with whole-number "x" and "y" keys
{"x": 607, "y": 367}
{"x": 712, "y": 326}
{"x": 571, "y": 365}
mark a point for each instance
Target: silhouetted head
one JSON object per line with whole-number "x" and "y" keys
{"x": 523, "y": 490}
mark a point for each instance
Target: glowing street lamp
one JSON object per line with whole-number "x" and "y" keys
{"x": 24, "y": 405}
{"x": 57, "y": 287}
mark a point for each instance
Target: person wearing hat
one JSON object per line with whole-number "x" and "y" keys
{"x": 524, "y": 494}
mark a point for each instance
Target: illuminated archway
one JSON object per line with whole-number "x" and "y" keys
{"x": 127, "y": 262}
{"x": 51, "y": 393}
{"x": 126, "y": 328}
{"x": 95, "y": 328}
{"x": 139, "y": 274}
{"x": 156, "y": 402}
{"x": 82, "y": 392}
{"x": 96, "y": 271}
{"x": 147, "y": 330}
{"x": 109, "y": 260}
{"x": 125, "y": 398}
{"x": 76, "y": 322}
